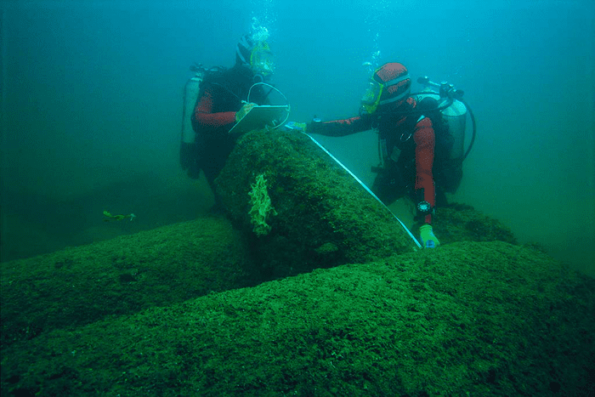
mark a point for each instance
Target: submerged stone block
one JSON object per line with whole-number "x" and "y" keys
{"x": 479, "y": 319}
{"x": 81, "y": 285}
{"x": 321, "y": 216}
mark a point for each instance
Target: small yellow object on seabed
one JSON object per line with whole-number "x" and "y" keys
{"x": 111, "y": 217}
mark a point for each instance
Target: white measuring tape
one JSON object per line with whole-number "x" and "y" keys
{"x": 367, "y": 189}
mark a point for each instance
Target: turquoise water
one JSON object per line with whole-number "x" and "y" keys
{"x": 92, "y": 105}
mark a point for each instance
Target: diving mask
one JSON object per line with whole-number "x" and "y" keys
{"x": 371, "y": 98}
{"x": 261, "y": 59}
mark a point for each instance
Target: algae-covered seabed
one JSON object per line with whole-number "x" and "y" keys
{"x": 473, "y": 318}
{"x": 189, "y": 310}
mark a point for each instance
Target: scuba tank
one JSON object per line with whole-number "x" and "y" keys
{"x": 191, "y": 143}
{"x": 191, "y": 89}
{"x": 455, "y": 117}
{"x": 453, "y": 110}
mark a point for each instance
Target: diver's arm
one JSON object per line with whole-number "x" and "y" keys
{"x": 206, "y": 122}
{"x": 341, "y": 127}
{"x": 424, "y": 138}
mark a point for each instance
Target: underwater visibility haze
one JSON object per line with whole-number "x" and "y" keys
{"x": 92, "y": 102}
{"x": 93, "y": 198}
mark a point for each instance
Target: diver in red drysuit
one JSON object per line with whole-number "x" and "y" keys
{"x": 407, "y": 142}
{"x": 223, "y": 99}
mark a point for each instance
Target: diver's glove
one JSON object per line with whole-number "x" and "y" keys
{"x": 189, "y": 156}
{"x": 244, "y": 111}
{"x": 295, "y": 126}
{"x": 428, "y": 239}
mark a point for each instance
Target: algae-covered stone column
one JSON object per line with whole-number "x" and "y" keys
{"x": 468, "y": 319}
{"x": 81, "y": 285}
{"x": 301, "y": 208}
